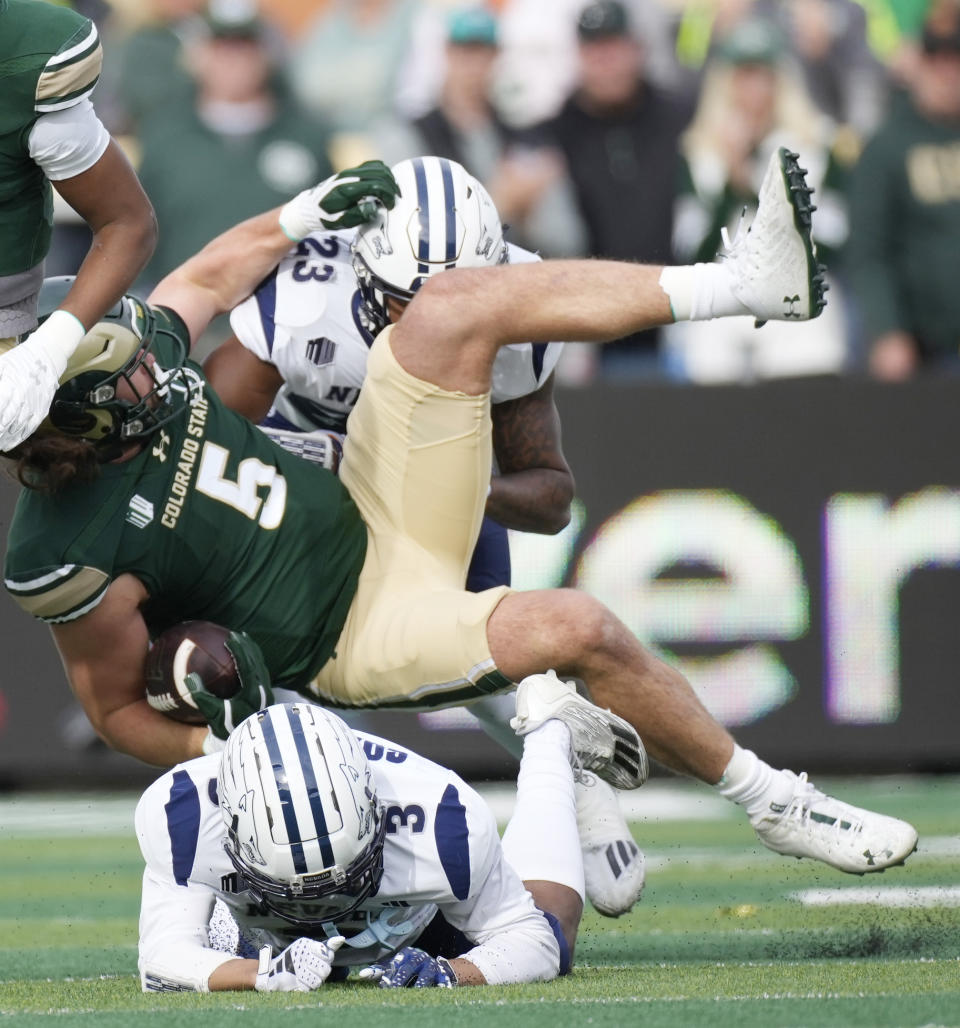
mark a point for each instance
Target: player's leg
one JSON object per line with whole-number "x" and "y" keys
{"x": 454, "y": 326}
{"x": 450, "y": 333}
{"x": 541, "y": 841}
{"x": 580, "y": 637}
{"x": 418, "y": 455}
{"x": 562, "y": 734}
{"x": 417, "y": 461}
{"x": 613, "y": 864}
{"x": 614, "y": 867}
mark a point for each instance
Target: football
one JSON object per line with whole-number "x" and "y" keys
{"x": 198, "y": 646}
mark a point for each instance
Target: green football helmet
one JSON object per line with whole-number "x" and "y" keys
{"x": 121, "y": 344}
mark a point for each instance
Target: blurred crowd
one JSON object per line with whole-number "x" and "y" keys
{"x": 631, "y": 129}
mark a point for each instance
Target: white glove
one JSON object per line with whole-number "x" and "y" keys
{"x": 302, "y": 967}
{"x": 318, "y": 447}
{"x": 344, "y": 200}
{"x": 30, "y": 374}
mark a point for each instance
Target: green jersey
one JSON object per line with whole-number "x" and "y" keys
{"x": 50, "y": 59}
{"x": 219, "y": 524}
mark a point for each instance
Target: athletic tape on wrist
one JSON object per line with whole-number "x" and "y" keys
{"x": 211, "y": 744}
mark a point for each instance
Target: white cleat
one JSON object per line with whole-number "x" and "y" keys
{"x": 774, "y": 265}
{"x": 613, "y": 864}
{"x": 601, "y": 741}
{"x": 848, "y": 838}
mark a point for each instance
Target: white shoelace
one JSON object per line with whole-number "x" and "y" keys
{"x": 739, "y": 233}
{"x": 806, "y": 796}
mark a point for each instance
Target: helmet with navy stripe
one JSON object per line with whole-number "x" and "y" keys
{"x": 305, "y": 830}
{"x": 443, "y": 219}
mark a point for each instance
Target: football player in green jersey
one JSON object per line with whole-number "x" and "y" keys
{"x": 353, "y": 587}
{"x": 50, "y": 60}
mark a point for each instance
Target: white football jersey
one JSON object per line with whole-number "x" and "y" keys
{"x": 442, "y": 852}
{"x": 305, "y": 319}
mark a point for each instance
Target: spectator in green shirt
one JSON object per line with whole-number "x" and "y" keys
{"x": 905, "y": 215}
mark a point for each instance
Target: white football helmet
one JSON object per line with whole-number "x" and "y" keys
{"x": 304, "y": 827}
{"x": 443, "y": 219}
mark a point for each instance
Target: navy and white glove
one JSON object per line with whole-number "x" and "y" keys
{"x": 302, "y": 967}
{"x": 223, "y": 715}
{"x": 318, "y": 447}
{"x": 344, "y": 200}
{"x": 412, "y": 968}
{"x": 30, "y": 375}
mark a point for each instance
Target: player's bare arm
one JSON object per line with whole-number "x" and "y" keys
{"x": 103, "y": 653}
{"x": 245, "y": 383}
{"x": 224, "y": 272}
{"x": 534, "y": 487}
{"x": 109, "y": 197}
{"x": 228, "y": 268}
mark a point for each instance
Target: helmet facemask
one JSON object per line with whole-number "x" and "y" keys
{"x": 336, "y": 893}
{"x": 374, "y": 293}
{"x": 88, "y": 404}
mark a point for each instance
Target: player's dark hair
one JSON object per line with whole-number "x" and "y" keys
{"x": 50, "y": 463}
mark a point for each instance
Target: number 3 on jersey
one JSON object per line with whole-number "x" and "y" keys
{"x": 242, "y": 494}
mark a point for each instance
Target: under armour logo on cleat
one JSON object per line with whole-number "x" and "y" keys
{"x": 871, "y": 857}
{"x": 790, "y": 304}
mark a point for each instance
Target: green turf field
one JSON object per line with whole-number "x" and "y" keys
{"x": 726, "y": 934}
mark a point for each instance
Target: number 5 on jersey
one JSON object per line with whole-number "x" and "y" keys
{"x": 242, "y": 494}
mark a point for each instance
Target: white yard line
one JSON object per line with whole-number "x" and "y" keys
{"x": 889, "y": 896}
{"x": 87, "y": 814}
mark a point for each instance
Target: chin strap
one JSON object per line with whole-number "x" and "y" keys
{"x": 384, "y": 929}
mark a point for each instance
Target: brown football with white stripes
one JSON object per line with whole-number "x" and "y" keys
{"x": 191, "y": 646}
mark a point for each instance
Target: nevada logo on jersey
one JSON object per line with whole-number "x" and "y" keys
{"x": 321, "y": 351}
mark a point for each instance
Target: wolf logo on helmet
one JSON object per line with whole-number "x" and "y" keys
{"x": 87, "y": 403}
{"x": 310, "y": 805}
{"x": 443, "y": 219}
{"x": 360, "y": 784}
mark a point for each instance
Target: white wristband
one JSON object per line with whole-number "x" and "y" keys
{"x": 293, "y": 224}
{"x": 57, "y": 339}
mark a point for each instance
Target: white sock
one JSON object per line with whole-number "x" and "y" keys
{"x": 699, "y": 292}
{"x": 755, "y": 785}
{"x": 541, "y": 843}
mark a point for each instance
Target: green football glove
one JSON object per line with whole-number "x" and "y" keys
{"x": 344, "y": 200}
{"x": 223, "y": 715}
